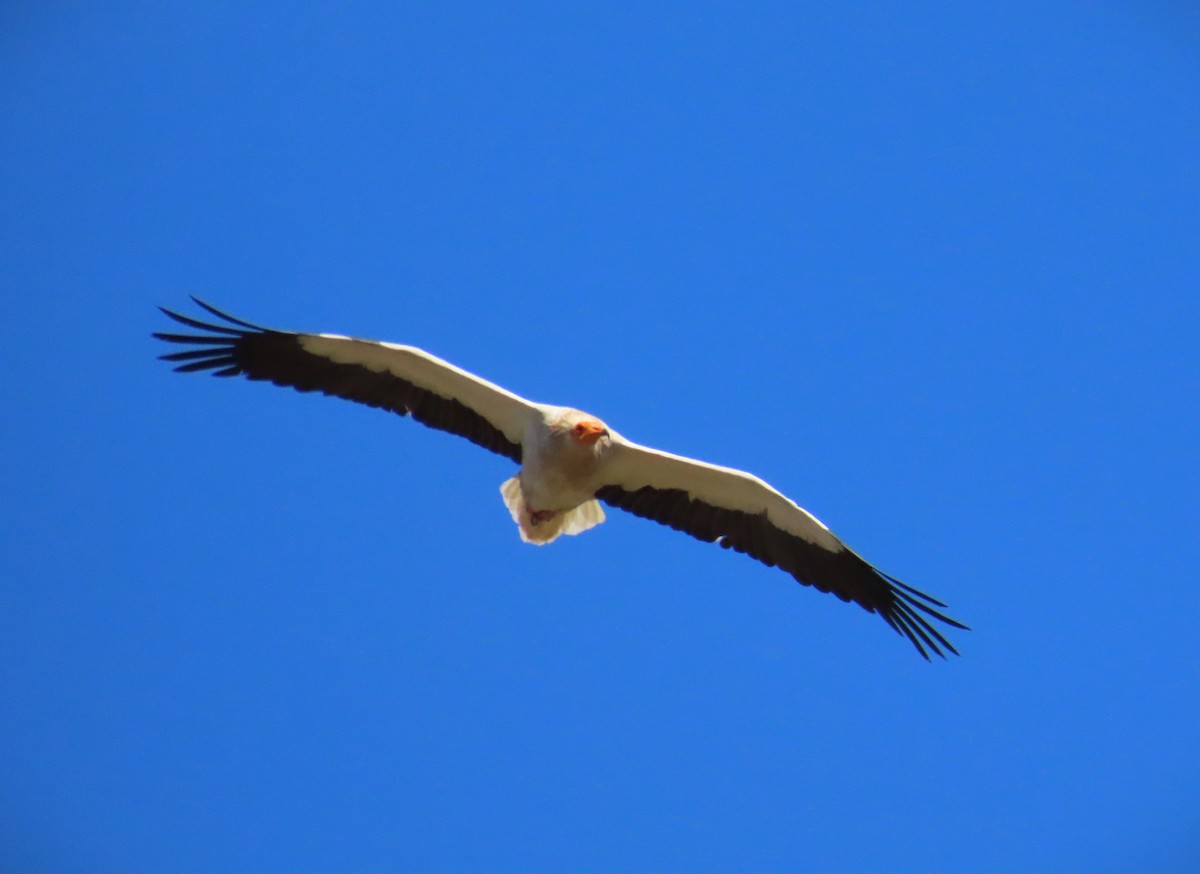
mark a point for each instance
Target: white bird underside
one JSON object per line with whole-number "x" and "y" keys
{"x": 570, "y": 461}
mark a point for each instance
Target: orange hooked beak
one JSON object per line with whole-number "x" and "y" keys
{"x": 588, "y": 432}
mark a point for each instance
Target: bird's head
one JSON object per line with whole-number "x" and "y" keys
{"x": 588, "y": 431}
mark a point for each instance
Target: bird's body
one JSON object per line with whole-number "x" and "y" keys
{"x": 570, "y": 460}
{"x": 561, "y": 468}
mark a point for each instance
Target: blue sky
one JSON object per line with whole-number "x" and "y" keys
{"x": 929, "y": 268}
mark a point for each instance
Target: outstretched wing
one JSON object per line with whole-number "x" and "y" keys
{"x": 401, "y": 379}
{"x": 743, "y": 513}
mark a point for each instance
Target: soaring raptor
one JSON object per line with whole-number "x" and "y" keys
{"x": 571, "y": 462}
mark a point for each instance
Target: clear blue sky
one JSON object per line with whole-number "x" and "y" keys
{"x": 932, "y": 269}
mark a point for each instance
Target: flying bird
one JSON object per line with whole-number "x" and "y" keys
{"x": 570, "y": 462}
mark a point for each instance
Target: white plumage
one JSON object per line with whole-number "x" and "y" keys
{"x": 570, "y": 461}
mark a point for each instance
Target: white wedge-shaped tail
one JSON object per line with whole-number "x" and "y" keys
{"x": 575, "y": 521}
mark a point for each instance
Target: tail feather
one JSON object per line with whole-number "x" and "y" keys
{"x": 573, "y": 521}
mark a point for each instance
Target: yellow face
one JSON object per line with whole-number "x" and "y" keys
{"x": 588, "y": 432}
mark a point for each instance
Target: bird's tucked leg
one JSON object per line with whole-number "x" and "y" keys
{"x": 540, "y": 516}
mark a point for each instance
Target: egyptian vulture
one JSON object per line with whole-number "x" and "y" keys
{"x": 571, "y": 462}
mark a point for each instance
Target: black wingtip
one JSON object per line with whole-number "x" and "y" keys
{"x": 191, "y": 339}
{"x": 917, "y": 592}
{"x": 220, "y": 314}
{"x": 907, "y": 608}
{"x": 219, "y": 349}
{"x": 201, "y": 326}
